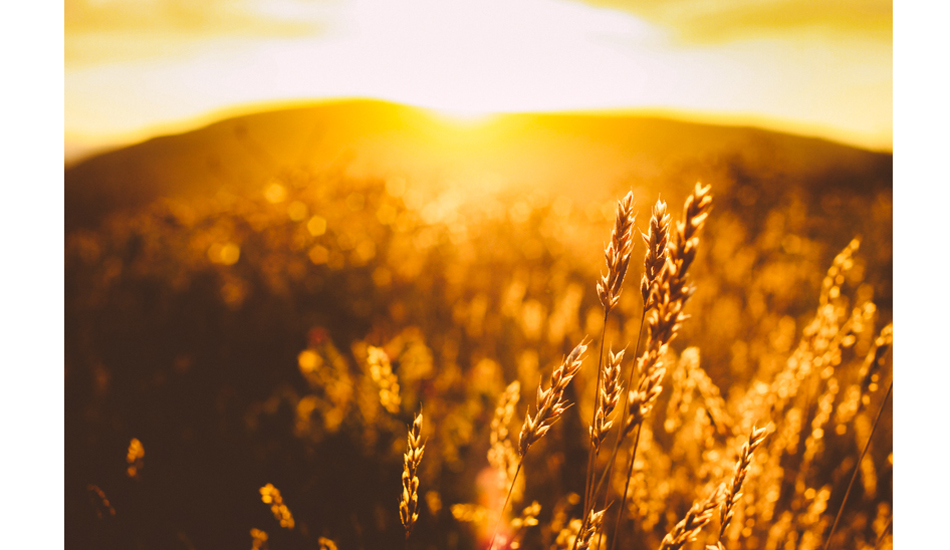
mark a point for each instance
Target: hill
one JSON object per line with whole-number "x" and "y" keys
{"x": 578, "y": 155}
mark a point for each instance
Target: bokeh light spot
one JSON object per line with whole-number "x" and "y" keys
{"x": 225, "y": 254}
{"x": 307, "y": 360}
{"x": 275, "y": 193}
{"x": 230, "y": 253}
{"x": 297, "y": 211}
{"x": 317, "y": 226}
{"x": 319, "y": 255}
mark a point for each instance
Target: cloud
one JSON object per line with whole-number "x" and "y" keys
{"x": 716, "y": 21}
{"x": 166, "y": 28}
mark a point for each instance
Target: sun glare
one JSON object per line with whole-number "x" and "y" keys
{"x": 463, "y": 118}
{"x": 468, "y": 59}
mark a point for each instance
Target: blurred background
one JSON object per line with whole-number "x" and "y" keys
{"x": 258, "y": 191}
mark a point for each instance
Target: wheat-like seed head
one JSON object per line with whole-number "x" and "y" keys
{"x": 617, "y": 253}
{"x": 610, "y": 391}
{"x": 271, "y": 495}
{"x": 712, "y": 399}
{"x": 258, "y": 539}
{"x": 682, "y": 250}
{"x": 594, "y": 520}
{"x": 135, "y": 458}
{"x": 100, "y": 501}
{"x": 501, "y": 454}
{"x": 668, "y": 296}
{"x": 567, "y": 535}
{"x": 640, "y": 401}
{"x": 874, "y": 360}
{"x": 756, "y": 437}
{"x": 656, "y": 240}
{"x": 519, "y": 525}
{"x": 382, "y": 373}
{"x": 843, "y": 262}
{"x": 551, "y": 402}
{"x": 409, "y": 504}
{"x": 689, "y": 527}
{"x": 504, "y": 411}
{"x": 683, "y": 386}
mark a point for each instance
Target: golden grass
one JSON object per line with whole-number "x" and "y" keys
{"x": 665, "y": 289}
{"x": 811, "y": 386}
{"x": 610, "y": 389}
{"x": 552, "y": 401}
{"x": 259, "y": 539}
{"x": 617, "y": 254}
{"x": 409, "y": 503}
{"x": 689, "y": 527}
{"x": 271, "y": 495}
{"x": 551, "y": 404}
{"x": 501, "y": 454}
{"x": 592, "y": 527}
{"x": 382, "y": 373}
{"x": 135, "y": 458}
{"x": 727, "y": 511}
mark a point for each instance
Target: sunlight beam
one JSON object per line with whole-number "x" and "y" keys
{"x": 490, "y": 56}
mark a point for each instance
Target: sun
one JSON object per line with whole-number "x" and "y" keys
{"x": 463, "y": 118}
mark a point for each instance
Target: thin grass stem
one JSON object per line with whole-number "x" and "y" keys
{"x": 501, "y": 513}
{"x": 633, "y": 369}
{"x": 857, "y": 466}
{"x": 626, "y": 486}
{"x": 887, "y": 528}
{"x": 592, "y": 454}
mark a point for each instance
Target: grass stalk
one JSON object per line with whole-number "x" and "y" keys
{"x": 626, "y": 486}
{"x": 857, "y": 466}
{"x": 623, "y": 421}
{"x": 592, "y": 452}
{"x": 887, "y": 528}
{"x": 501, "y": 513}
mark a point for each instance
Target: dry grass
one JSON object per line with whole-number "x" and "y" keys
{"x": 409, "y": 503}
{"x": 689, "y": 527}
{"x": 617, "y": 253}
{"x": 664, "y": 311}
{"x": 551, "y": 402}
{"x": 382, "y": 373}
{"x": 812, "y": 384}
{"x": 271, "y": 495}
{"x": 592, "y": 527}
{"x": 656, "y": 240}
{"x": 501, "y": 454}
{"x": 727, "y": 511}
{"x": 610, "y": 389}
{"x": 259, "y": 540}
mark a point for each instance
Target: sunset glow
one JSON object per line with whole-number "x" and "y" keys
{"x": 134, "y": 70}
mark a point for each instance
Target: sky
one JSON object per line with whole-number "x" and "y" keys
{"x": 138, "y": 68}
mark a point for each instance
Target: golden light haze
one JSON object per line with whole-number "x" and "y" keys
{"x": 705, "y": 21}
{"x": 135, "y": 69}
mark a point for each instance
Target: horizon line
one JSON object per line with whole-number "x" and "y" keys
{"x": 78, "y": 147}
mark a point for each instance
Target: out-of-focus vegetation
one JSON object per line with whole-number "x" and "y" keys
{"x": 282, "y": 335}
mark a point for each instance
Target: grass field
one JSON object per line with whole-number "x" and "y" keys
{"x": 243, "y": 363}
